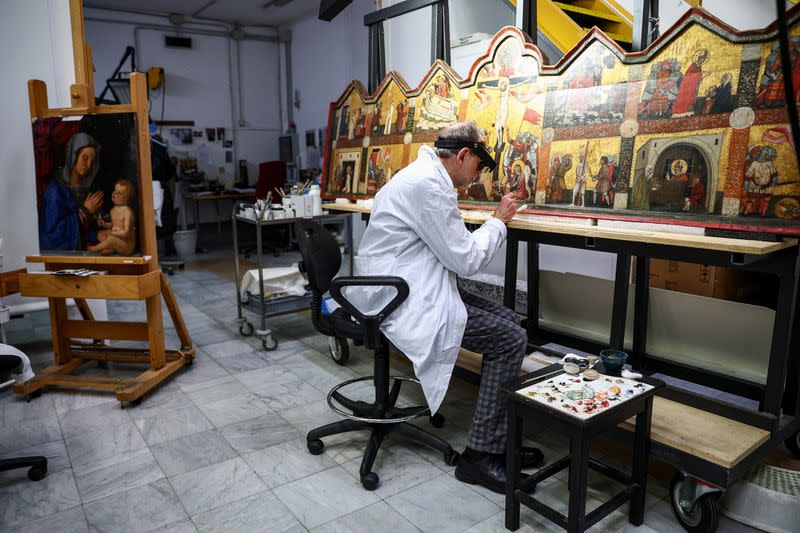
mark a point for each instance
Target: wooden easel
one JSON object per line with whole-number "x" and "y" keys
{"x": 127, "y": 278}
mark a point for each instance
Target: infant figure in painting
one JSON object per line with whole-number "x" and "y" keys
{"x": 119, "y": 235}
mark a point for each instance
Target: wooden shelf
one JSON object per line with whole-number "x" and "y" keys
{"x": 82, "y": 258}
{"x": 50, "y": 285}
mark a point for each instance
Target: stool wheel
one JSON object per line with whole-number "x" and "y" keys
{"x": 339, "y": 350}
{"x": 315, "y": 446}
{"x": 451, "y": 457}
{"x": 703, "y": 517}
{"x": 35, "y": 473}
{"x": 246, "y": 329}
{"x": 370, "y": 481}
{"x": 793, "y": 443}
{"x": 437, "y": 420}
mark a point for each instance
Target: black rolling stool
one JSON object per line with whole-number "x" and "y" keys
{"x": 37, "y": 464}
{"x": 321, "y": 262}
{"x": 580, "y": 432}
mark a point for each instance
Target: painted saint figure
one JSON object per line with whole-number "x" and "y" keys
{"x": 759, "y": 179}
{"x": 556, "y": 184}
{"x": 581, "y": 172}
{"x": 689, "y": 85}
{"x": 604, "y": 193}
{"x": 640, "y": 194}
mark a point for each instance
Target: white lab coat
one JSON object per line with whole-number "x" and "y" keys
{"x": 416, "y": 232}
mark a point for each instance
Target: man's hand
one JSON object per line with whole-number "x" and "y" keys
{"x": 93, "y": 202}
{"x": 507, "y": 208}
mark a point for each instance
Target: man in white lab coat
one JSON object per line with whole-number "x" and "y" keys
{"x": 416, "y": 232}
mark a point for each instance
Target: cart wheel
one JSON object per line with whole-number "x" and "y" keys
{"x": 246, "y": 329}
{"x": 703, "y": 517}
{"x": 339, "y": 349}
{"x": 793, "y": 443}
{"x": 269, "y": 343}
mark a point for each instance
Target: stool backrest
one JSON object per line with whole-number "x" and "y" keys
{"x": 321, "y": 255}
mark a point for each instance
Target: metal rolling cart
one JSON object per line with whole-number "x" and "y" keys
{"x": 270, "y": 307}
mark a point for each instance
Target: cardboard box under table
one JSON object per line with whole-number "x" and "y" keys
{"x": 568, "y": 405}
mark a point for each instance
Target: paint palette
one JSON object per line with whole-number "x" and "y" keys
{"x": 583, "y": 399}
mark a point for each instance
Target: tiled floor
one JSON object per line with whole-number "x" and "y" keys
{"x": 221, "y": 446}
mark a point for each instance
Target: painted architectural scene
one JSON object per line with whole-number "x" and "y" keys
{"x": 694, "y": 129}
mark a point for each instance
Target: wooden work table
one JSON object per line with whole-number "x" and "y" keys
{"x": 580, "y": 227}
{"x": 705, "y": 438}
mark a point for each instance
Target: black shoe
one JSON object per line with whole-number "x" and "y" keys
{"x": 530, "y": 457}
{"x": 489, "y": 472}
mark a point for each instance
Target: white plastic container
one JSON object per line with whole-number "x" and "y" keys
{"x": 315, "y": 195}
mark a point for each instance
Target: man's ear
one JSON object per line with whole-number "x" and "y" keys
{"x": 462, "y": 154}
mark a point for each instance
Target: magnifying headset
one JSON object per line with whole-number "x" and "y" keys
{"x": 476, "y": 147}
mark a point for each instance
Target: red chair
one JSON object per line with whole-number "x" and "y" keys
{"x": 271, "y": 174}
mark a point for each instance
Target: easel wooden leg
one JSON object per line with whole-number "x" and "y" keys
{"x": 58, "y": 315}
{"x": 155, "y": 331}
{"x": 175, "y": 313}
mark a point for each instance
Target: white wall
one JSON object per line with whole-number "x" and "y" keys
{"x": 326, "y": 56}
{"x": 38, "y": 32}
{"x": 203, "y": 84}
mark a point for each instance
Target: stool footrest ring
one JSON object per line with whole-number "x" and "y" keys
{"x": 336, "y": 405}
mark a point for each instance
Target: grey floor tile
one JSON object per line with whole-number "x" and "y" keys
{"x": 29, "y": 500}
{"x": 72, "y": 520}
{"x": 215, "y": 485}
{"x": 228, "y": 348}
{"x": 234, "y": 409}
{"x": 69, "y": 400}
{"x": 102, "y": 444}
{"x": 243, "y": 362}
{"x": 258, "y": 433}
{"x": 14, "y": 409}
{"x": 260, "y": 512}
{"x": 365, "y": 521}
{"x": 397, "y": 467}
{"x": 286, "y": 462}
{"x": 136, "y": 511}
{"x": 217, "y": 390}
{"x": 497, "y": 524}
{"x": 28, "y": 433}
{"x": 185, "y": 526}
{"x": 443, "y": 504}
{"x": 324, "y": 496}
{"x": 282, "y": 396}
{"x": 160, "y": 402}
{"x": 116, "y": 474}
{"x": 264, "y": 380}
{"x": 201, "y": 371}
{"x": 172, "y": 425}
{"x": 94, "y": 417}
{"x": 55, "y": 452}
{"x": 192, "y": 452}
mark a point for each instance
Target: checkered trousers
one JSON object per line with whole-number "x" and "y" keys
{"x": 494, "y": 331}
